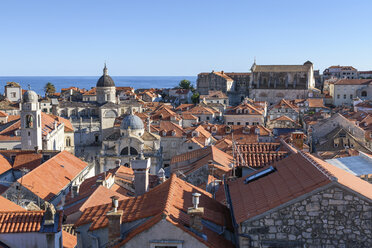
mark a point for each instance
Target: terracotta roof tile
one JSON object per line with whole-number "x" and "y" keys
{"x": 294, "y": 176}
{"x": 3, "y": 114}
{"x": 4, "y": 164}
{"x": 55, "y": 174}
{"x": 69, "y": 240}
{"x": 27, "y": 161}
{"x": 173, "y": 198}
{"x": 20, "y": 221}
{"x": 6, "y": 205}
{"x": 353, "y": 82}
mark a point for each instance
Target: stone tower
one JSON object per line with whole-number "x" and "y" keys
{"x": 106, "y": 90}
{"x": 31, "y": 135}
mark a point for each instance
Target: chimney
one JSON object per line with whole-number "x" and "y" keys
{"x": 161, "y": 175}
{"x": 141, "y": 175}
{"x": 50, "y": 212}
{"x": 195, "y": 212}
{"x": 114, "y": 218}
{"x": 298, "y": 139}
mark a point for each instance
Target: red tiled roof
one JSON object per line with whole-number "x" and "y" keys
{"x": 283, "y": 118}
{"x": 286, "y": 104}
{"x": 172, "y": 198}
{"x": 13, "y": 117}
{"x": 4, "y": 164}
{"x": 20, "y": 221}
{"x": 91, "y": 92}
{"x": 296, "y": 175}
{"x": 200, "y": 110}
{"x": 167, "y": 128}
{"x": 196, "y": 159}
{"x": 6, "y": 205}
{"x": 214, "y": 94}
{"x": 3, "y": 114}
{"x": 47, "y": 180}
{"x": 258, "y": 154}
{"x": 68, "y": 125}
{"x": 253, "y": 110}
{"x": 223, "y": 74}
{"x": 353, "y": 82}
{"x": 27, "y": 160}
{"x": 99, "y": 195}
{"x": 316, "y": 102}
{"x": 69, "y": 240}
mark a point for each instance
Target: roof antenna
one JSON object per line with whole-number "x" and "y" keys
{"x": 255, "y": 59}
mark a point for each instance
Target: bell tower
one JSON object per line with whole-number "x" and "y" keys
{"x": 31, "y": 135}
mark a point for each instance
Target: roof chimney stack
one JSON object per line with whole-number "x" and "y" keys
{"x": 141, "y": 175}
{"x": 114, "y": 217}
{"x": 195, "y": 212}
{"x": 161, "y": 175}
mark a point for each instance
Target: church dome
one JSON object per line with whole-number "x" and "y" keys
{"x": 105, "y": 80}
{"x": 30, "y": 96}
{"x": 132, "y": 121}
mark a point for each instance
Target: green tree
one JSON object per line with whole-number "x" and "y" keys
{"x": 49, "y": 89}
{"x": 185, "y": 84}
{"x": 195, "y": 98}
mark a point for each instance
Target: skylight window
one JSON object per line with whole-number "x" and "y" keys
{"x": 259, "y": 174}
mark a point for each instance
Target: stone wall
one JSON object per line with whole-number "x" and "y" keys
{"x": 210, "y": 81}
{"x": 331, "y": 218}
{"x": 198, "y": 176}
{"x": 273, "y": 96}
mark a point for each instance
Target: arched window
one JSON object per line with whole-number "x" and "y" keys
{"x": 364, "y": 93}
{"x": 68, "y": 141}
{"x": 110, "y": 114}
{"x": 29, "y": 121}
{"x": 132, "y": 150}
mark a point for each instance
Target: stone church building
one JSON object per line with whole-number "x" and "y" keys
{"x": 129, "y": 142}
{"x": 93, "y": 121}
{"x": 269, "y": 83}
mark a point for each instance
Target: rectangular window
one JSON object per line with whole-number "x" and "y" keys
{"x": 238, "y": 123}
{"x": 338, "y": 96}
{"x": 351, "y": 96}
{"x": 247, "y": 123}
{"x": 207, "y": 118}
{"x": 344, "y": 96}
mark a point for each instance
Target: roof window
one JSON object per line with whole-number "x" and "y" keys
{"x": 259, "y": 174}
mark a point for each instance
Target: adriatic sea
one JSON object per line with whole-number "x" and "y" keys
{"x": 37, "y": 83}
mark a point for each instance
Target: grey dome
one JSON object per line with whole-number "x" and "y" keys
{"x": 105, "y": 80}
{"x": 30, "y": 96}
{"x": 132, "y": 121}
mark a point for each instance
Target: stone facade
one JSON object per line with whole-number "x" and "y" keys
{"x": 333, "y": 217}
{"x": 269, "y": 83}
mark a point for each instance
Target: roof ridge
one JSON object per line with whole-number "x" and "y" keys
{"x": 167, "y": 205}
{"x": 323, "y": 170}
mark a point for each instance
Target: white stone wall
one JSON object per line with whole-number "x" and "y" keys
{"x": 244, "y": 119}
{"x": 13, "y": 93}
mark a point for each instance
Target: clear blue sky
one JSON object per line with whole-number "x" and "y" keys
{"x": 180, "y": 37}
